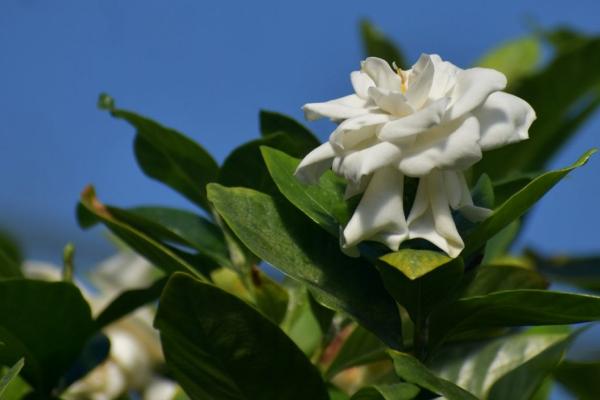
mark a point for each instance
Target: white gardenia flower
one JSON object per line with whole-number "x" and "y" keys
{"x": 430, "y": 122}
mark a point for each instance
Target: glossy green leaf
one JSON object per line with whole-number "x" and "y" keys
{"x": 376, "y": 44}
{"x": 129, "y": 301}
{"x": 273, "y": 122}
{"x": 169, "y": 156}
{"x": 513, "y": 308}
{"x": 279, "y": 234}
{"x": 413, "y": 371}
{"x": 499, "y": 245}
{"x": 561, "y": 105}
{"x": 518, "y": 204}
{"x": 12, "y": 373}
{"x": 163, "y": 256}
{"x": 361, "y": 347}
{"x": 580, "y": 378}
{"x": 10, "y": 257}
{"x": 184, "y": 228}
{"x": 47, "y": 323}
{"x": 397, "y": 391}
{"x": 216, "y": 346}
{"x": 270, "y": 297}
{"x": 495, "y": 278}
{"x": 415, "y": 263}
{"x": 516, "y": 58}
{"x": 323, "y": 203}
{"x": 579, "y": 271}
{"x": 511, "y": 367}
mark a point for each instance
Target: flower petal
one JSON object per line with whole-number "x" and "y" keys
{"x": 394, "y": 103}
{"x": 431, "y": 219}
{"x": 358, "y": 164}
{"x": 382, "y": 74}
{"x": 472, "y": 87}
{"x": 459, "y": 196}
{"x": 358, "y": 129}
{"x": 504, "y": 119}
{"x": 380, "y": 213}
{"x": 315, "y": 164}
{"x": 419, "y": 81}
{"x": 450, "y": 146}
{"x": 420, "y": 121}
{"x": 361, "y": 82}
{"x": 338, "y": 109}
{"x": 444, "y": 77}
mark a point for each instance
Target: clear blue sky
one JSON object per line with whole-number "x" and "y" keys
{"x": 206, "y": 68}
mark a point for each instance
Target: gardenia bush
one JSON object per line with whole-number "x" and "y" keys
{"x": 393, "y": 239}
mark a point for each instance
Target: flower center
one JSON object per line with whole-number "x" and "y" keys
{"x": 403, "y": 77}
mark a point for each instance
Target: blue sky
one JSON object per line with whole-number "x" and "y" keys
{"x": 206, "y": 68}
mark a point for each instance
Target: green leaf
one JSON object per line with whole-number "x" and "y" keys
{"x": 94, "y": 353}
{"x": 184, "y": 228}
{"x": 128, "y": 301}
{"x": 511, "y": 367}
{"x": 163, "y": 256}
{"x": 323, "y": 203}
{"x": 513, "y": 308}
{"x": 561, "y": 106}
{"x": 218, "y": 347}
{"x": 47, "y": 323}
{"x": 583, "y": 271}
{"x": 300, "y": 322}
{"x": 276, "y": 232}
{"x": 499, "y": 245}
{"x": 10, "y": 257}
{"x": 273, "y": 122}
{"x": 413, "y": 371}
{"x": 495, "y": 278}
{"x": 336, "y": 393}
{"x": 269, "y": 296}
{"x": 580, "y": 378}
{"x": 244, "y": 167}
{"x": 360, "y": 348}
{"x": 169, "y": 156}
{"x": 415, "y": 263}
{"x": 422, "y": 295}
{"x": 516, "y": 59}
{"x": 376, "y": 44}
{"x": 12, "y": 373}
{"x": 397, "y": 391}
{"x": 517, "y": 205}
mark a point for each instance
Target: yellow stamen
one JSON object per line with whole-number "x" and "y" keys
{"x": 403, "y": 78}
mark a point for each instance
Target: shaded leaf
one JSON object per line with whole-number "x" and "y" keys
{"x": 495, "y": 278}
{"x": 273, "y": 122}
{"x": 300, "y": 323}
{"x": 582, "y": 271}
{"x": 580, "y": 378}
{"x": 12, "y": 373}
{"x": 413, "y": 371}
{"x": 280, "y": 235}
{"x": 215, "y": 345}
{"x": 516, "y": 58}
{"x": 376, "y": 44}
{"x": 94, "y": 352}
{"x": 397, "y": 391}
{"x": 269, "y": 296}
{"x": 10, "y": 257}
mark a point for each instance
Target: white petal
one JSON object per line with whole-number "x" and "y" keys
{"x": 338, "y": 109}
{"x": 315, "y": 164}
{"x": 392, "y": 102}
{"x": 449, "y": 146}
{"x": 380, "y": 213}
{"x": 444, "y": 77}
{"x": 361, "y": 82}
{"x": 355, "y": 130}
{"x": 420, "y": 121}
{"x": 353, "y": 188}
{"x": 420, "y": 81}
{"x": 431, "y": 219}
{"x": 459, "y": 197}
{"x": 356, "y": 165}
{"x": 472, "y": 87}
{"x": 504, "y": 119}
{"x": 380, "y": 71}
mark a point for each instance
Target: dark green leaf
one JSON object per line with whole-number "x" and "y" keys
{"x": 129, "y": 301}
{"x": 580, "y": 378}
{"x": 336, "y": 394}
{"x": 218, "y": 347}
{"x": 93, "y": 354}
{"x": 499, "y": 245}
{"x": 12, "y": 373}
{"x": 300, "y": 323}
{"x": 273, "y": 122}
{"x": 518, "y": 204}
{"x": 511, "y": 367}
{"x": 163, "y": 256}
{"x": 397, "y": 391}
{"x": 323, "y": 203}
{"x": 579, "y": 271}
{"x": 516, "y": 59}
{"x": 361, "y": 347}
{"x": 376, "y": 44}
{"x": 495, "y": 278}
{"x": 513, "y": 308}
{"x": 10, "y": 257}
{"x": 279, "y": 234}
{"x": 269, "y": 296}
{"x": 169, "y": 156}
{"x": 413, "y": 371}
{"x": 47, "y": 323}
